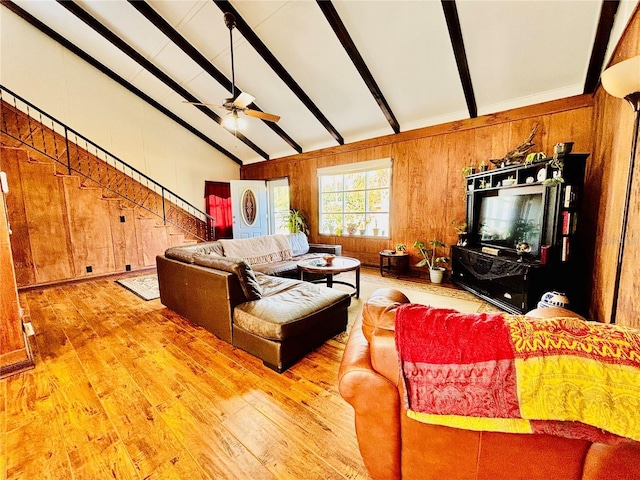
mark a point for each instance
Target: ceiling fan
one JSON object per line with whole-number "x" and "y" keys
{"x": 240, "y": 103}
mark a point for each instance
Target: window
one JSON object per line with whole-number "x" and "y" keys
{"x": 354, "y": 198}
{"x": 279, "y": 203}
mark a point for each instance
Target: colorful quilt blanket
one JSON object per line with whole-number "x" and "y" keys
{"x": 509, "y": 373}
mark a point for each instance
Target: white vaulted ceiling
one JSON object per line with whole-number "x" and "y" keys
{"x": 515, "y": 53}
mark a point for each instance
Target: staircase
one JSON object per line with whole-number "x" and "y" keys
{"x": 76, "y": 210}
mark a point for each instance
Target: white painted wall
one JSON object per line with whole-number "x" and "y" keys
{"x": 55, "y": 80}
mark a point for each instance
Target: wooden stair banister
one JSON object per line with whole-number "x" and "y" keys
{"x": 24, "y": 124}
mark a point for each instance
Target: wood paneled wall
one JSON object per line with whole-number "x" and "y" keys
{"x": 606, "y": 180}
{"x": 63, "y": 222}
{"x": 428, "y": 186}
{"x": 60, "y": 226}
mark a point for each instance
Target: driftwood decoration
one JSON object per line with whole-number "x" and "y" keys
{"x": 518, "y": 154}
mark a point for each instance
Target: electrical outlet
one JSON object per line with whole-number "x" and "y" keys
{"x": 127, "y": 268}
{"x": 28, "y": 329}
{"x": 89, "y": 269}
{"x": 122, "y": 219}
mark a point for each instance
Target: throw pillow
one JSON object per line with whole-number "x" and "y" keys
{"x": 239, "y": 267}
{"x": 299, "y": 243}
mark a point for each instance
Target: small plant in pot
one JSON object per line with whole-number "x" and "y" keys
{"x": 436, "y": 272}
{"x": 401, "y": 248}
{"x": 294, "y": 222}
{"x": 461, "y": 230}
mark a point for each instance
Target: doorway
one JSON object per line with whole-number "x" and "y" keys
{"x": 224, "y": 203}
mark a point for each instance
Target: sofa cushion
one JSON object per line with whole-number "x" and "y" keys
{"x": 186, "y": 253}
{"x": 299, "y": 243}
{"x": 289, "y": 313}
{"x": 271, "y": 285}
{"x": 244, "y": 272}
{"x": 285, "y": 268}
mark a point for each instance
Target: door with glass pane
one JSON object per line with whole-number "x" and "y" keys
{"x": 249, "y": 208}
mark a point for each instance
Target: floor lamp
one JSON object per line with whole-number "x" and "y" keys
{"x": 623, "y": 81}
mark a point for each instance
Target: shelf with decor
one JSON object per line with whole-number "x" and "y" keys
{"x": 516, "y": 219}
{"x": 540, "y": 171}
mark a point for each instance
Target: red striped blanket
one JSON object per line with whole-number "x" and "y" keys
{"x": 509, "y": 373}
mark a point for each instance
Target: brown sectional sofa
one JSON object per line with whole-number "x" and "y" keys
{"x": 277, "y": 319}
{"x": 394, "y": 446}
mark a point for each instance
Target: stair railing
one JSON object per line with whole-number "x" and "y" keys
{"x": 29, "y": 125}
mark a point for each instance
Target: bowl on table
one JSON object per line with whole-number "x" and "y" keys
{"x": 328, "y": 259}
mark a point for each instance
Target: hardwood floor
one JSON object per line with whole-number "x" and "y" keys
{"x": 125, "y": 388}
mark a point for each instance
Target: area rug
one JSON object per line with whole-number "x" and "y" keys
{"x": 440, "y": 296}
{"x": 418, "y": 291}
{"x": 145, "y": 286}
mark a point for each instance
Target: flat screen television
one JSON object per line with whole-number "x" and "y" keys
{"x": 511, "y": 217}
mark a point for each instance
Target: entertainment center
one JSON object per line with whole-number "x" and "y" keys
{"x": 523, "y": 234}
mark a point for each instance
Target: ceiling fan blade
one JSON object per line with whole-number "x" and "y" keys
{"x": 243, "y": 100}
{"x": 269, "y": 117}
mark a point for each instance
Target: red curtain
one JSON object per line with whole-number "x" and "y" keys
{"x": 218, "y": 200}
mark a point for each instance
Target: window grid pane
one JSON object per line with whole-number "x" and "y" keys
{"x": 355, "y": 203}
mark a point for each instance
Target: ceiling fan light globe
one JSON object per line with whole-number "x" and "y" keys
{"x": 232, "y": 121}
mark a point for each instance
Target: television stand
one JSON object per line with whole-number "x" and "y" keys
{"x": 512, "y": 285}
{"x": 503, "y": 280}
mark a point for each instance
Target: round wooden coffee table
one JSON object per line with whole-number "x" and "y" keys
{"x": 339, "y": 265}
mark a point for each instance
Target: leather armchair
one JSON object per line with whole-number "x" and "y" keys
{"x": 394, "y": 446}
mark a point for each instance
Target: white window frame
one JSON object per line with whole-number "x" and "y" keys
{"x": 360, "y": 167}
{"x": 274, "y": 226}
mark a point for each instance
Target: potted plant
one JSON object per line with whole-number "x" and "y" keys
{"x": 468, "y": 170}
{"x": 294, "y": 222}
{"x": 363, "y": 226}
{"x": 461, "y": 230}
{"x": 436, "y": 272}
{"x": 401, "y": 248}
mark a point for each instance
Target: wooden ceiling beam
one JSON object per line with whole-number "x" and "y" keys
{"x": 348, "y": 44}
{"x": 125, "y": 48}
{"x": 113, "y": 75}
{"x": 257, "y": 44}
{"x": 161, "y": 24}
{"x": 455, "y": 34}
{"x": 600, "y": 43}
